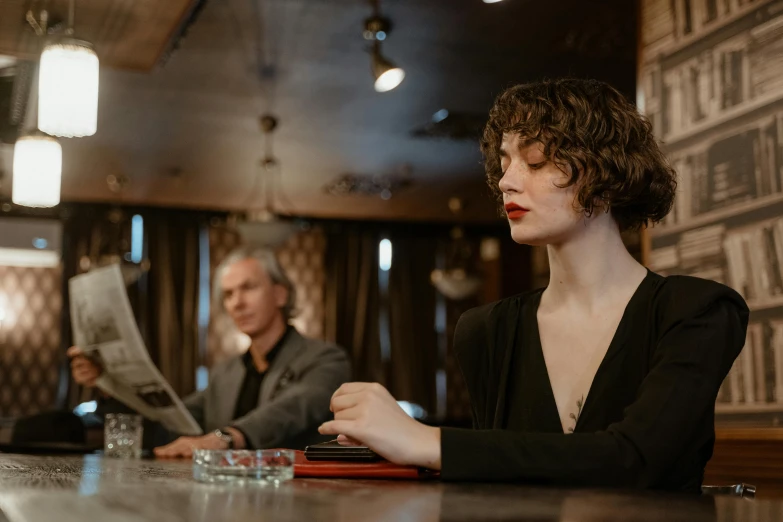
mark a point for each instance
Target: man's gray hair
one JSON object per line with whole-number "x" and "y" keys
{"x": 268, "y": 261}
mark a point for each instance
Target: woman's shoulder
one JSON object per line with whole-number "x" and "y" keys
{"x": 677, "y": 297}
{"x": 482, "y": 326}
{"x": 491, "y": 313}
{"x": 483, "y": 333}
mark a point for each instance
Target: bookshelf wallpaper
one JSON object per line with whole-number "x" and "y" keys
{"x": 711, "y": 82}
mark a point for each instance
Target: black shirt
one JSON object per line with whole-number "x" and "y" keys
{"x": 247, "y": 400}
{"x": 648, "y": 420}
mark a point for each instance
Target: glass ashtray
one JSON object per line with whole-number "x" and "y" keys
{"x": 269, "y": 466}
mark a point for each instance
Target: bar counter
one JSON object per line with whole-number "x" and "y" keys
{"x": 82, "y": 488}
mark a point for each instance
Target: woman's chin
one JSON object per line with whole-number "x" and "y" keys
{"x": 527, "y": 237}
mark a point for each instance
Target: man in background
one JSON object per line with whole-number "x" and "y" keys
{"x": 278, "y": 392}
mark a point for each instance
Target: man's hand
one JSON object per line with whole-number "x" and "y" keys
{"x": 84, "y": 371}
{"x": 183, "y": 447}
{"x": 367, "y": 413}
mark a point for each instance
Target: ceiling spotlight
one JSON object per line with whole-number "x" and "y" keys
{"x": 492, "y": 1}
{"x": 387, "y": 75}
{"x": 377, "y": 29}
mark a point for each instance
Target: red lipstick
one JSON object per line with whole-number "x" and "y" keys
{"x": 514, "y": 211}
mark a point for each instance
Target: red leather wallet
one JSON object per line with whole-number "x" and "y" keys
{"x": 304, "y": 468}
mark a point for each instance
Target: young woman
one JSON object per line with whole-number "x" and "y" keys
{"x": 609, "y": 375}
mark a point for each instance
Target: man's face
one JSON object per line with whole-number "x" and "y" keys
{"x": 250, "y": 297}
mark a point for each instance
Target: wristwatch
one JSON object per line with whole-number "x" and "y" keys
{"x": 225, "y": 437}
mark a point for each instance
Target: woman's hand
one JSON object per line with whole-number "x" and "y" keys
{"x": 84, "y": 371}
{"x": 367, "y": 413}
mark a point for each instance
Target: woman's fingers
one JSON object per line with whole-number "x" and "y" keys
{"x": 343, "y": 402}
{"x": 357, "y": 413}
{"x": 337, "y": 427}
{"x": 345, "y": 439}
{"x": 352, "y": 387}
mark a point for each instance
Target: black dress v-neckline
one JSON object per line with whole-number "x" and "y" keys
{"x": 528, "y": 364}
{"x": 649, "y": 419}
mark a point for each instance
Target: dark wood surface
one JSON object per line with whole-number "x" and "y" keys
{"x": 82, "y": 488}
{"x": 126, "y": 35}
{"x": 752, "y": 455}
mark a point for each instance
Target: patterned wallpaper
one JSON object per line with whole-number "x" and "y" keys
{"x": 30, "y": 307}
{"x": 302, "y": 257}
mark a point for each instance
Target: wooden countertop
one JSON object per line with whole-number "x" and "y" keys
{"x": 83, "y": 488}
{"x": 769, "y": 434}
{"x": 750, "y": 455}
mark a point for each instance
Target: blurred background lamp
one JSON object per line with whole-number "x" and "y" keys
{"x": 38, "y": 161}
{"x": 68, "y": 89}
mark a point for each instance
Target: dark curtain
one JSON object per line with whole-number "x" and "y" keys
{"x": 352, "y": 298}
{"x": 411, "y": 305}
{"x": 164, "y": 299}
{"x": 354, "y": 303}
{"x": 169, "y": 314}
{"x": 88, "y": 231}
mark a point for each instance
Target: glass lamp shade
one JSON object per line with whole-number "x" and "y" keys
{"x": 456, "y": 284}
{"x": 387, "y": 75}
{"x": 268, "y": 232}
{"x": 38, "y": 162}
{"x": 68, "y": 89}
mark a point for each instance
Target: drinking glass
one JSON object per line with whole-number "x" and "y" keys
{"x": 122, "y": 435}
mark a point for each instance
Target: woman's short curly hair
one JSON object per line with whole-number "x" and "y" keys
{"x": 594, "y": 135}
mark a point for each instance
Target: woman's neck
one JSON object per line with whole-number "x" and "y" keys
{"x": 590, "y": 267}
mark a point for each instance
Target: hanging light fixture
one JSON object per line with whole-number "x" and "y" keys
{"x": 68, "y": 86}
{"x": 376, "y": 29}
{"x": 263, "y": 228}
{"x": 387, "y": 75}
{"x": 457, "y": 279}
{"x": 38, "y": 162}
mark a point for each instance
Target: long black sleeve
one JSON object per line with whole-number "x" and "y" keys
{"x": 675, "y": 402}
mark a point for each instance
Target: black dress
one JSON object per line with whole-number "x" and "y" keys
{"x": 648, "y": 420}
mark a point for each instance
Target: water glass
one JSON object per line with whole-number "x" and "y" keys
{"x": 122, "y": 435}
{"x": 269, "y": 466}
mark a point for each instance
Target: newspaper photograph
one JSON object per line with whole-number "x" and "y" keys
{"x": 104, "y": 327}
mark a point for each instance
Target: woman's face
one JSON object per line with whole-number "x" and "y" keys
{"x": 539, "y": 211}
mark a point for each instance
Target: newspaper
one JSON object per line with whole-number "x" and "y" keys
{"x": 105, "y": 329}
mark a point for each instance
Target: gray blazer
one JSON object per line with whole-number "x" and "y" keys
{"x": 294, "y": 397}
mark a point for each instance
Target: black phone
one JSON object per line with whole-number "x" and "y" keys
{"x": 338, "y": 451}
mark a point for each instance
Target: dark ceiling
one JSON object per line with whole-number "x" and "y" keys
{"x": 187, "y": 134}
